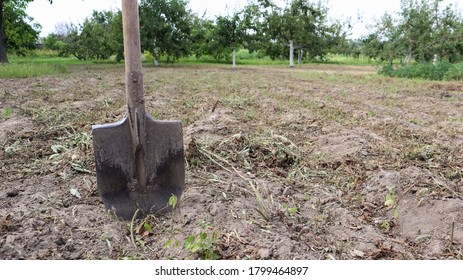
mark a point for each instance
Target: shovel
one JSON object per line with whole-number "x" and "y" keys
{"x": 139, "y": 161}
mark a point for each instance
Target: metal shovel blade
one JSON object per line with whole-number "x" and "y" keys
{"x": 117, "y": 172}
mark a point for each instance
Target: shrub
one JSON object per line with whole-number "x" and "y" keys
{"x": 454, "y": 73}
{"x": 439, "y": 72}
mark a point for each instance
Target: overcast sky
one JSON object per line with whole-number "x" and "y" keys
{"x": 76, "y": 10}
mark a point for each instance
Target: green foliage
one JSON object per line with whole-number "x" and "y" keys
{"x": 55, "y": 43}
{"x": 8, "y": 112}
{"x": 417, "y": 32}
{"x": 173, "y": 200}
{"x": 454, "y": 73}
{"x": 165, "y": 27}
{"x": 300, "y": 21}
{"x": 227, "y": 34}
{"x": 391, "y": 203}
{"x": 99, "y": 37}
{"x": 23, "y": 70}
{"x": 203, "y": 243}
{"x": 20, "y": 30}
{"x": 439, "y": 72}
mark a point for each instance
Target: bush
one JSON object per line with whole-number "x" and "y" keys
{"x": 454, "y": 73}
{"x": 439, "y": 72}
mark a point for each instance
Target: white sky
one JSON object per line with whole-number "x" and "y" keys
{"x": 77, "y": 10}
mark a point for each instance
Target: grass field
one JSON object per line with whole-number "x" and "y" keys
{"x": 322, "y": 161}
{"x": 45, "y": 62}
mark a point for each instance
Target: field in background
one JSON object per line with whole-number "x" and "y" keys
{"x": 322, "y": 161}
{"x": 45, "y": 62}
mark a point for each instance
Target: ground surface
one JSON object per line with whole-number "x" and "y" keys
{"x": 316, "y": 162}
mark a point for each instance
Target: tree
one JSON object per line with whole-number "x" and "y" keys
{"x": 57, "y": 40}
{"x": 200, "y": 35}
{"x": 165, "y": 27}
{"x": 228, "y": 35}
{"x": 420, "y": 30}
{"x": 98, "y": 37}
{"x": 299, "y": 25}
{"x": 15, "y": 32}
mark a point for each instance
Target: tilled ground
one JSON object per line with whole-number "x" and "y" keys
{"x": 316, "y": 162}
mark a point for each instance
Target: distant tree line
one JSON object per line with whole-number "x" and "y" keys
{"x": 299, "y": 29}
{"x": 422, "y": 31}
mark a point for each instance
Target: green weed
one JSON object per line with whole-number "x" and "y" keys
{"x": 24, "y": 70}
{"x": 8, "y": 112}
{"x": 203, "y": 243}
{"x": 439, "y": 72}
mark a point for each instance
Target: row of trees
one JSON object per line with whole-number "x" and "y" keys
{"x": 169, "y": 28}
{"x": 423, "y": 30}
{"x": 418, "y": 32}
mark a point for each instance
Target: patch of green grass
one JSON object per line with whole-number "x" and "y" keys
{"x": 442, "y": 71}
{"x": 349, "y": 60}
{"x": 24, "y": 70}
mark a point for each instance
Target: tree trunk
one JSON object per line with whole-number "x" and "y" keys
{"x": 291, "y": 53}
{"x": 156, "y": 56}
{"x": 410, "y": 54}
{"x": 3, "y": 54}
{"x": 234, "y": 58}
{"x": 299, "y": 56}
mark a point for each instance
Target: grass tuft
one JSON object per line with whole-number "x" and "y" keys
{"x": 25, "y": 70}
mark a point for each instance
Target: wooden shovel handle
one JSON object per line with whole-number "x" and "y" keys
{"x": 132, "y": 54}
{"x": 134, "y": 85}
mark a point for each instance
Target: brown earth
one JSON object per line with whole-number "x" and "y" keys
{"x": 316, "y": 162}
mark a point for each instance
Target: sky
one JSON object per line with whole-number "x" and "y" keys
{"x": 361, "y": 12}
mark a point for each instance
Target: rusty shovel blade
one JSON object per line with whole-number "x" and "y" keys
{"x": 116, "y": 167}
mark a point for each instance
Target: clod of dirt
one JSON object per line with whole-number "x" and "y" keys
{"x": 430, "y": 223}
{"x": 334, "y": 148}
{"x": 215, "y": 123}
{"x": 377, "y": 186}
{"x": 12, "y": 193}
{"x": 14, "y": 124}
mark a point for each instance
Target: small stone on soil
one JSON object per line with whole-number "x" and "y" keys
{"x": 264, "y": 253}
{"x": 12, "y": 193}
{"x": 10, "y": 239}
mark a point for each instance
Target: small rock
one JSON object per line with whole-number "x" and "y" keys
{"x": 38, "y": 223}
{"x": 284, "y": 251}
{"x": 357, "y": 253}
{"x": 60, "y": 241}
{"x": 43, "y": 254}
{"x": 10, "y": 239}
{"x": 76, "y": 256}
{"x": 75, "y": 193}
{"x": 12, "y": 193}
{"x": 216, "y": 208}
{"x": 264, "y": 253}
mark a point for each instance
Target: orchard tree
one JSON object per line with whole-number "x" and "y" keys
{"x": 228, "y": 34}
{"x": 420, "y": 30}
{"x": 15, "y": 31}
{"x": 200, "y": 35}
{"x": 165, "y": 27}
{"x": 98, "y": 37}
{"x": 299, "y": 25}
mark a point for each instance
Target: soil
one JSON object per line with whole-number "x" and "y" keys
{"x": 315, "y": 162}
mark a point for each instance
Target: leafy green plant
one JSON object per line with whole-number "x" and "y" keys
{"x": 440, "y": 71}
{"x": 203, "y": 243}
{"x": 291, "y": 210}
{"x": 8, "y": 112}
{"x": 391, "y": 203}
{"x": 454, "y": 73}
{"x": 173, "y": 200}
